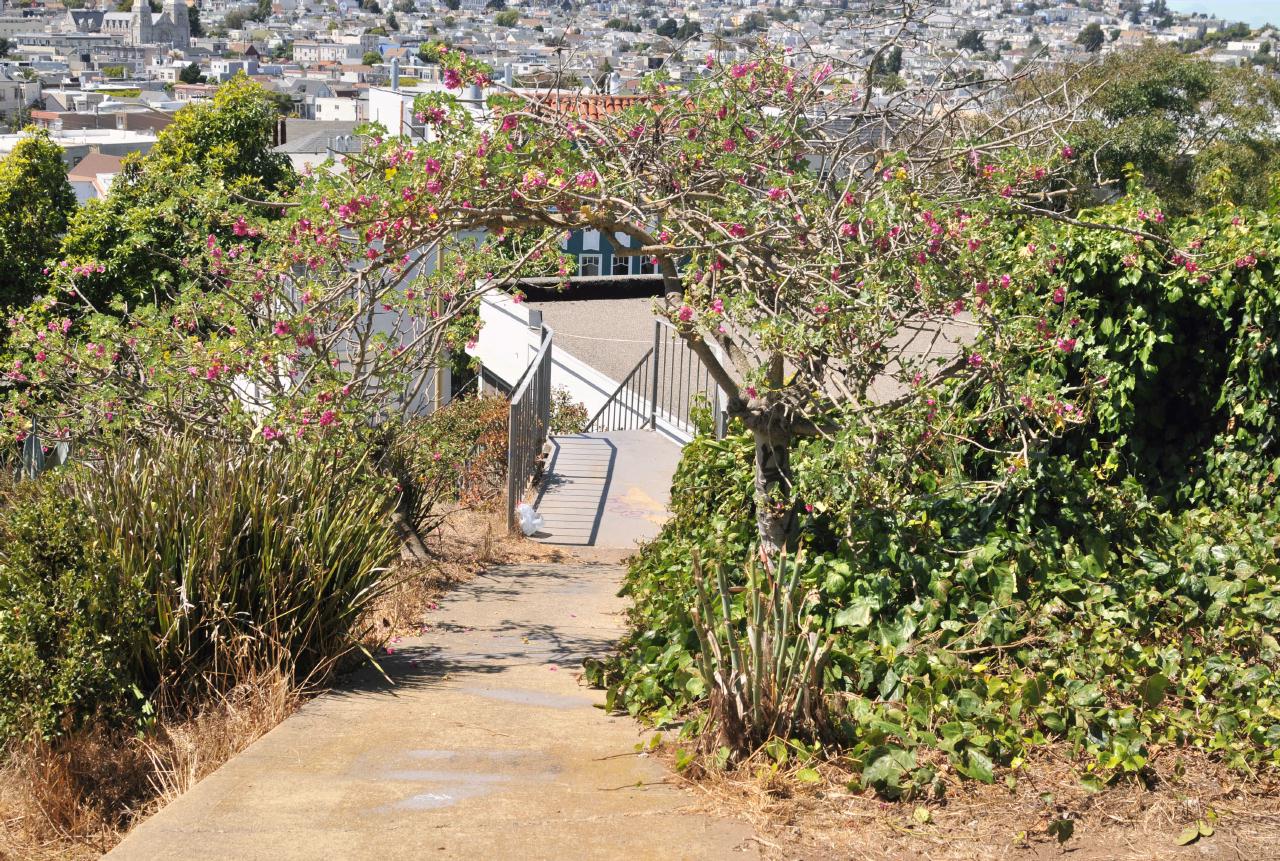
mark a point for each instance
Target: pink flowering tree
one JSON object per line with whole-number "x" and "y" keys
{"x": 835, "y": 260}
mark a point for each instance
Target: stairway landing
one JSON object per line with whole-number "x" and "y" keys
{"x": 608, "y": 490}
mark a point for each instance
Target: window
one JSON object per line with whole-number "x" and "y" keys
{"x": 645, "y": 266}
{"x": 589, "y": 265}
{"x": 621, "y": 265}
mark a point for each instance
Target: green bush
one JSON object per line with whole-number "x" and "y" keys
{"x": 1116, "y": 588}
{"x": 172, "y": 566}
{"x": 66, "y": 619}
{"x": 985, "y": 634}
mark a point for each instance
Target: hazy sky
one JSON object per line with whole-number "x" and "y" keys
{"x": 1255, "y": 12}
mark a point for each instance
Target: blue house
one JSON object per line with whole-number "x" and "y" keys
{"x": 594, "y": 252}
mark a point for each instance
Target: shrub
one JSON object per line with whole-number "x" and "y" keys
{"x": 984, "y": 632}
{"x": 66, "y": 618}
{"x": 567, "y": 415}
{"x": 171, "y": 566}
{"x": 457, "y": 454}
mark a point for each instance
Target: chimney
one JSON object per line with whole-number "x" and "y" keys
{"x": 395, "y": 74}
{"x": 508, "y": 75}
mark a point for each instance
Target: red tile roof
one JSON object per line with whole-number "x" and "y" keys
{"x": 588, "y": 106}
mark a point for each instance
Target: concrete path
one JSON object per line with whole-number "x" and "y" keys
{"x": 606, "y": 490}
{"x": 486, "y": 747}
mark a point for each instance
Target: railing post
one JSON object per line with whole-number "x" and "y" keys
{"x": 719, "y": 416}
{"x": 513, "y": 467}
{"x": 653, "y": 388}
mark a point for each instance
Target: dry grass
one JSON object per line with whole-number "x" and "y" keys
{"x": 78, "y": 799}
{"x": 974, "y": 822}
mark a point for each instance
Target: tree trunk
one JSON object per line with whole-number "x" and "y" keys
{"x": 774, "y": 505}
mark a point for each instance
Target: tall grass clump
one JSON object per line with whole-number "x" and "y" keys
{"x": 163, "y": 570}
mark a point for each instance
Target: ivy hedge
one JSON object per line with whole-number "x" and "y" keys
{"x": 1121, "y": 594}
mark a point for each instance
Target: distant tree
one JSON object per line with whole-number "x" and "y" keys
{"x": 235, "y": 19}
{"x": 191, "y": 74}
{"x": 506, "y": 18}
{"x": 371, "y": 58}
{"x": 404, "y": 6}
{"x": 499, "y": 5}
{"x": 688, "y": 30}
{"x": 193, "y": 20}
{"x": 452, "y": 5}
{"x": 36, "y": 202}
{"x": 1092, "y": 38}
{"x": 262, "y": 11}
{"x": 155, "y": 220}
{"x": 393, "y": 23}
{"x": 972, "y": 40}
{"x": 5, "y": 47}
{"x": 667, "y": 29}
{"x": 113, "y": 71}
{"x": 1198, "y": 134}
{"x": 889, "y": 63}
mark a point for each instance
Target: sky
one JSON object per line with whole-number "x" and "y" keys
{"x": 1253, "y": 12}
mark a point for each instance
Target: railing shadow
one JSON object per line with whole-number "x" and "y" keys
{"x": 554, "y": 481}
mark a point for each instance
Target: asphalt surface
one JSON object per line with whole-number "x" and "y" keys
{"x": 610, "y": 335}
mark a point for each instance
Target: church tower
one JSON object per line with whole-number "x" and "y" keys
{"x": 180, "y": 32}
{"x": 140, "y": 22}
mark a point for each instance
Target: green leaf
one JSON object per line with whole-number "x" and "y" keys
{"x": 857, "y": 616}
{"x": 1190, "y": 835}
{"x": 979, "y": 766}
{"x": 922, "y": 815}
{"x": 1034, "y": 691}
{"x": 808, "y": 775}
{"x": 1061, "y": 829}
{"x": 1152, "y": 689}
{"x": 885, "y": 766}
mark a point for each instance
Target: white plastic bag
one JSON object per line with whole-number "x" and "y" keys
{"x": 530, "y": 520}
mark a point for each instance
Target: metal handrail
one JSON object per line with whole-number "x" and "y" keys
{"x": 625, "y": 402}
{"x": 528, "y": 424}
{"x": 661, "y": 389}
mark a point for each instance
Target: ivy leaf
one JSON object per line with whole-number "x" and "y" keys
{"x": 885, "y": 766}
{"x": 1034, "y": 691}
{"x": 1152, "y": 689}
{"x": 857, "y": 616}
{"x": 1061, "y": 829}
{"x": 979, "y": 766}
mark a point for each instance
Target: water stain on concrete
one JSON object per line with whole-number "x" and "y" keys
{"x": 523, "y": 697}
{"x": 482, "y": 772}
